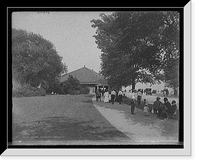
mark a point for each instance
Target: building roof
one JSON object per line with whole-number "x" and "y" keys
{"x": 86, "y": 76}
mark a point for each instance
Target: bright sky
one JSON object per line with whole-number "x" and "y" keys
{"x": 70, "y": 32}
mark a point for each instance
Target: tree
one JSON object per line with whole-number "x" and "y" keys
{"x": 172, "y": 74}
{"x": 136, "y": 46}
{"x": 70, "y": 86}
{"x": 34, "y": 59}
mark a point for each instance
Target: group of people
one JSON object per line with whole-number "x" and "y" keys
{"x": 159, "y": 108}
{"x": 111, "y": 96}
{"x": 138, "y": 101}
{"x": 165, "y": 92}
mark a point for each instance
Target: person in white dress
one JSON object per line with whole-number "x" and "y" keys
{"x": 106, "y": 97}
{"x": 139, "y": 97}
{"x": 120, "y": 96}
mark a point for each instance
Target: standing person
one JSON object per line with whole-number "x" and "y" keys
{"x": 157, "y": 106}
{"x": 167, "y": 92}
{"x": 98, "y": 95}
{"x": 164, "y": 92}
{"x": 166, "y": 107}
{"x": 132, "y": 106}
{"x": 109, "y": 96}
{"x": 139, "y": 97}
{"x": 102, "y": 92}
{"x": 145, "y": 101}
{"x": 106, "y": 97}
{"x": 113, "y": 94}
{"x": 116, "y": 97}
{"x": 120, "y": 96}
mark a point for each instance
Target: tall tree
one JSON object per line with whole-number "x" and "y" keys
{"x": 134, "y": 45}
{"x": 34, "y": 59}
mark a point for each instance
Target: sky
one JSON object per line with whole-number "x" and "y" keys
{"x": 70, "y": 32}
{"x": 72, "y": 35}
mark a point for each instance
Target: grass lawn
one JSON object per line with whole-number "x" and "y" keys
{"x": 60, "y": 118}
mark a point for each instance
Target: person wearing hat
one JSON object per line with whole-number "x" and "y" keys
{"x": 157, "y": 106}
{"x": 174, "y": 106}
{"x": 167, "y": 104}
{"x": 172, "y": 109}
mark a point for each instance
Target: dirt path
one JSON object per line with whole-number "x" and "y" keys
{"x": 139, "y": 128}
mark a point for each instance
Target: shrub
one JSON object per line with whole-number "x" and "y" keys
{"x": 76, "y": 92}
{"x": 84, "y": 90}
{"x": 154, "y": 91}
{"x": 41, "y": 91}
{"x": 28, "y": 91}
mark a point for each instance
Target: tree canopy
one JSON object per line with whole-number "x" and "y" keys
{"x": 34, "y": 59}
{"x": 137, "y": 46}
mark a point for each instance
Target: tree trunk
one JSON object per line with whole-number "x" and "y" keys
{"x": 133, "y": 84}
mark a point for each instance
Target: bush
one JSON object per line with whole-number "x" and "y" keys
{"x": 73, "y": 92}
{"x": 154, "y": 91}
{"x": 28, "y": 91}
{"x": 84, "y": 90}
{"x": 41, "y": 91}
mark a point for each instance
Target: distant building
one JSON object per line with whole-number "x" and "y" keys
{"x": 87, "y": 77}
{"x": 158, "y": 87}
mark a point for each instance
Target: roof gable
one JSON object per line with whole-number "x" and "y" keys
{"x": 85, "y": 76}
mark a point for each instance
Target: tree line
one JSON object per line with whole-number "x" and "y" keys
{"x": 139, "y": 46}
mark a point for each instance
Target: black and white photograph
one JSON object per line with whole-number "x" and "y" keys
{"x": 97, "y": 78}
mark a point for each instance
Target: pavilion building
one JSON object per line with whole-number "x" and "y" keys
{"x": 93, "y": 80}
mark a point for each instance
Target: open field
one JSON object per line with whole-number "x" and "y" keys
{"x": 61, "y": 119}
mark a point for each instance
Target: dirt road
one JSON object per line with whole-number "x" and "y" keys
{"x": 141, "y": 129}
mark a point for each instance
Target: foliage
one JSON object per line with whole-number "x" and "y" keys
{"x": 136, "y": 46}
{"x": 27, "y": 91}
{"x": 172, "y": 74}
{"x": 84, "y": 90}
{"x": 34, "y": 59}
{"x": 71, "y": 85}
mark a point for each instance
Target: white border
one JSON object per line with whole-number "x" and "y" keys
{"x": 138, "y": 152}
{"x": 187, "y": 78}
